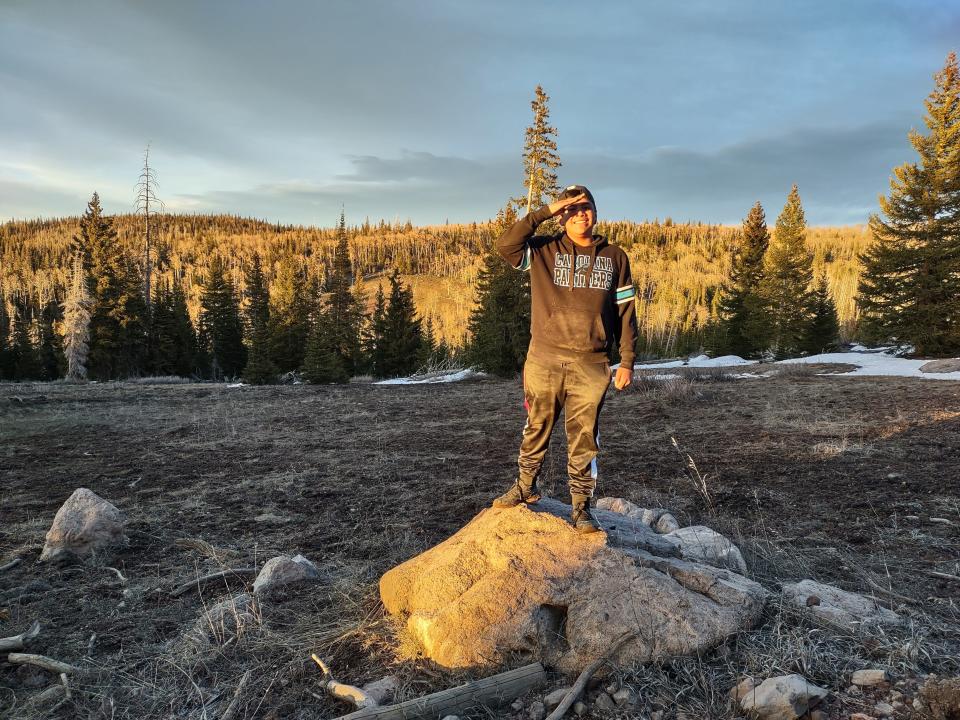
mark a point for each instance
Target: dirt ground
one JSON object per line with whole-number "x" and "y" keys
{"x": 854, "y": 481}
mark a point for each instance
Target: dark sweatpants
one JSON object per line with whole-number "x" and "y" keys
{"x": 577, "y": 388}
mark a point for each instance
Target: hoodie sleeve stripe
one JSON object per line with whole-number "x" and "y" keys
{"x": 525, "y": 261}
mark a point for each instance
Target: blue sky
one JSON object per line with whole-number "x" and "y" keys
{"x": 287, "y": 110}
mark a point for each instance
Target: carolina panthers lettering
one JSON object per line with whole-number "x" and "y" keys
{"x": 599, "y": 278}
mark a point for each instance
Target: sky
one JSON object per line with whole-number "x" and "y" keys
{"x": 293, "y": 109}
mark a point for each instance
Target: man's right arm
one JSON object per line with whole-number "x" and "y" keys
{"x": 512, "y": 245}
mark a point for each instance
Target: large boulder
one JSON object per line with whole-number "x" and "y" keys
{"x": 703, "y": 544}
{"x": 783, "y": 698}
{"x": 945, "y": 365}
{"x": 522, "y": 581}
{"x": 837, "y": 608}
{"x": 84, "y": 524}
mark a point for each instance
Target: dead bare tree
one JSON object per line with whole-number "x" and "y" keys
{"x": 146, "y": 203}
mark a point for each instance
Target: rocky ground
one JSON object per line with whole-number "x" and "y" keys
{"x": 841, "y": 480}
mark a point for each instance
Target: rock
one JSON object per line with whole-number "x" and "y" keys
{"x": 666, "y": 523}
{"x": 604, "y": 703}
{"x": 623, "y": 696}
{"x": 883, "y": 709}
{"x": 742, "y": 688}
{"x": 383, "y": 690}
{"x": 579, "y": 708}
{"x": 656, "y": 715}
{"x": 867, "y": 678}
{"x": 941, "y": 698}
{"x": 818, "y": 715}
{"x": 537, "y": 711}
{"x": 854, "y": 691}
{"x": 702, "y": 544}
{"x": 281, "y": 571}
{"x": 783, "y": 698}
{"x": 517, "y": 705}
{"x": 648, "y": 516}
{"x": 555, "y": 698}
{"x": 227, "y": 619}
{"x": 941, "y": 366}
{"x": 84, "y": 524}
{"x": 513, "y": 580}
{"x": 861, "y": 716}
{"x": 838, "y": 608}
{"x": 451, "y": 717}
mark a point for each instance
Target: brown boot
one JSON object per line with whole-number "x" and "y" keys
{"x": 581, "y": 518}
{"x": 519, "y": 493}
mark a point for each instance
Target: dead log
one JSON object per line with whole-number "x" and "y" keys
{"x": 204, "y": 579}
{"x": 42, "y": 661}
{"x": 584, "y": 677}
{"x": 16, "y": 642}
{"x": 492, "y": 691}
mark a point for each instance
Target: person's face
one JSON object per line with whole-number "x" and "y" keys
{"x": 578, "y": 220}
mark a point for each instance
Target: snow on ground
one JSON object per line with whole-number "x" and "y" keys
{"x": 700, "y": 361}
{"x": 874, "y": 364}
{"x": 432, "y": 378}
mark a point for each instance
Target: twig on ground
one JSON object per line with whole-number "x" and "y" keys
{"x": 944, "y": 576}
{"x": 66, "y": 686}
{"x": 90, "y": 643}
{"x": 17, "y": 642}
{"x": 195, "y": 584}
{"x": 120, "y": 576}
{"x": 581, "y": 684}
{"x": 348, "y": 693}
{"x": 231, "y": 710}
{"x": 12, "y": 564}
{"x": 42, "y": 661}
{"x": 903, "y": 598}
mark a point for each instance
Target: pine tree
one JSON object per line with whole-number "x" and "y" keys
{"x": 739, "y": 308}
{"x": 117, "y": 321}
{"x": 183, "y": 336}
{"x": 499, "y": 324}
{"x": 540, "y": 154}
{"x": 26, "y": 364}
{"x": 260, "y": 369}
{"x": 291, "y": 307}
{"x": 344, "y": 307}
{"x": 323, "y": 362}
{"x": 6, "y": 353}
{"x": 787, "y": 273}
{"x": 76, "y": 323}
{"x": 50, "y": 356}
{"x": 399, "y": 346}
{"x": 221, "y": 324}
{"x": 910, "y": 286}
{"x": 374, "y": 336}
{"x": 823, "y": 332}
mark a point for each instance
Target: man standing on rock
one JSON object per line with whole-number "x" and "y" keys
{"x": 582, "y": 301}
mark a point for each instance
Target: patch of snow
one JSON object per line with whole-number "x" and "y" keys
{"x": 874, "y": 364}
{"x": 700, "y": 361}
{"x": 236, "y": 385}
{"x": 431, "y": 379}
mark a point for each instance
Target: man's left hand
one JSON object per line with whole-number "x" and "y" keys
{"x": 623, "y": 378}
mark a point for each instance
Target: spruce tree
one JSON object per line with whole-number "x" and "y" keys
{"x": 910, "y": 286}
{"x": 6, "y": 353}
{"x": 823, "y": 332}
{"x": 739, "y": 308}
{"x": 323, "y": 361}
{"x": 343, "y": 307}
{"x": 260, "y": 369}
{"x": 499, "y": 324}
{"x": 26, "y": 364}
{"x": 374, "y": 337}
{"x": 221, "y": 324}
{"x": 785, "y": 287}
{"x": 76, "y": 323}
{"x": 540, "y": 157}
{"x": 400, "y": 345}
{"x": 291, "y": 307}
{"x": 50, "y": 356}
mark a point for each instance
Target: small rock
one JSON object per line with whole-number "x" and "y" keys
{"x": 604, "y": 703}
{"x": 894, "y": 476}
{"x": 898, "y": 705}
{"x": 854, "y": 690}
{"x": 666, "y": 523}
{"x": 656, "y": 715}
{"x": 896, "y": 695}
{"x": 783, "y": 698}
{"x": 383, "y": 690}
{"x": 623, "y": 696}
{"x": 740, "y": 690}
{"x": 611, "y": 688}
{"x": 580, "y": 708}
{"x": 537, "y": 711}
{"x": 516, "y": 705}
{"x": 818, "y": 715}
{"x": 451, "y": 717}
{"x": 861, "y": 716}
{"x": 868, "y": 678}
{"x": 556, "y": 697}
{"x": 883, "y": 709}
{"x": 84, "y": 524}
{"x": 917, "y": 704}
{"x": 838, "y": 608}
{"x": 281, "y": 571}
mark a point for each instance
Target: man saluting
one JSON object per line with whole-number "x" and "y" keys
{"x": 582, "y": 302}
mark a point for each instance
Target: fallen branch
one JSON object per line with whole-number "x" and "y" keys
{"x": 66, "y": 686}
{"x": 17, "y": 642}
{"x": 341, "y": 691}
{"x": 12, "y": 564}
{"x": 584, "y": 677}
{"x": 903, "y": 598}
{"x": 120, "y": 576}
{"x": 195, "y": 584}
{"x": 42, "y": 661}
{"x": 231, "y": 710}
{"x": 945, "y": 576}
{"x": 492, "y": 691}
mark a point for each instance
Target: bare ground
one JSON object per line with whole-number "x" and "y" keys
{"x": 839, "y": 479}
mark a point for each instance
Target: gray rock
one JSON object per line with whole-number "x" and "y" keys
{"x": 281, "y": 571}
{"x": 703, "y": 544}
{"x": 783, "y": 698}
{"x": 513, "y": 579}
{"x": 941, "y": 366}
{"x": 604, "y": 703}
{"x": 537, "y": 711}
{"x": 579, "y": 708}
{"x": 648, "y": 516}
{"x": 883, "y": 709}
{"x": 84, "y": 524}
{"x": 451, "y": 717}
{"x": 740, "y": 690}
{"x": 866, "y": 678}
{"x": 624, "y": 696}
{"x": 228, "y": 619}
{"x": 555, "y": 698}
{"x": 837, "y": 608}
{"x": 383, "y": 690}
{"x": 666, "y": 523}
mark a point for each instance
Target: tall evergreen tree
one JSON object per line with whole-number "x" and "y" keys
{"x": 787, "y": 274}
{"x": 499, "y": 324}
{"x": 400, "y": 345}
{"x": 910, "y": 286}
{"x": 50, "y": 357}
{"x": 76, "y": 323}
{"x": 823, "y": 332}
{"x": 6, "y": 353}
{"x": 540, "y": 157}
{"x": 343, "y": 306}
{"x": 260, "y": 369}
{"x": 221, "y": 325}
{"x": 26, "y": 363}
{"x": 173, "y": 340}
{"x": 323, "y": 362}
{"x": 374, "y": 336}
{"x": 117, "y": 321}
{"x": 292, "y": 303}
{"x": 739, "y": 307}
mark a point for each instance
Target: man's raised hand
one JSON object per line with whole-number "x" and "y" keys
{"x": 557, "y": 207}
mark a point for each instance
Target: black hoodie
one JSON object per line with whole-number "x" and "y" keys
{"x": 582, "y": 297}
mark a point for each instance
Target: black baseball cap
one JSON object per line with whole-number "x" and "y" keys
{"x": 574, "y": 190}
